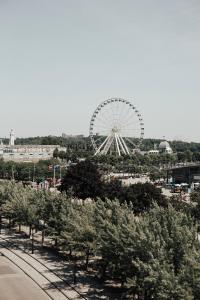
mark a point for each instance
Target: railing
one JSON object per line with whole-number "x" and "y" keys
{"x": 180, "y": 165}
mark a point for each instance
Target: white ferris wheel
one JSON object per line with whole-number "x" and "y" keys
{"x": 116, "y": 127}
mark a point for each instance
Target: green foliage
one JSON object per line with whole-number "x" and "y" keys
{"x": 21, "y": 204}
{"x": 155, "y": 255}
{"x": 27, "y": 171}
{"x": 141, "y": 195}
{"x": 83, "y": 181}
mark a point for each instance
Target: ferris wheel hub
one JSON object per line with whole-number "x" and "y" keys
{"x": 115, "y": 130}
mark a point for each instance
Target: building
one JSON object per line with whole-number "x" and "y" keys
{"x": 26, "y": 153}
{"x": 164, "y": 147}
{"x": 185, "y": 174}
{"x": 78, "y": 136}
{"x": 153, "y": 152}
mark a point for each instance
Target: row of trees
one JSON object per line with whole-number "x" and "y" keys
{"x": 27, "y": 171}
{"x": 155, "y": 255}
{"x": 79, "y": 142}
{"x": 81, "y": 147}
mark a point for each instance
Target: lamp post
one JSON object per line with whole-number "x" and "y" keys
{"x": 54, "y": 176}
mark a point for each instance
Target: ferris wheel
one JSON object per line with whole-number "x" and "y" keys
{"x": 116, "y": 127}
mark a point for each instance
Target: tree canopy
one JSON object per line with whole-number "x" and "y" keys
{"x": 155, "y": 255}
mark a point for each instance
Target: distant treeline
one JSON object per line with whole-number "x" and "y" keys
{"x": 84, "y": 143}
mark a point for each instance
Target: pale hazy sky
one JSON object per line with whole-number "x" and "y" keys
{"x": 60, "y": 58}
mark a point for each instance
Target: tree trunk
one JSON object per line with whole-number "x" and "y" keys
{"x": 42, "y": 237}
{"x": 0, "y": 223}
{"x": 9, "y": 222}
{"x": 32, "y": 243}
{"x": 103, "y": 272}
{"x": 87, "y": 259}
{"x": 123, "y": 280}
{"x": 30, "y": 229}
{"x": 70, "y": 252}
{"x": 75, "y": 271}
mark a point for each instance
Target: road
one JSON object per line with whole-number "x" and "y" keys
{"x": 48, "y": 281}
{"x": 55, "y": 269}
{"x": 15, "y": 285}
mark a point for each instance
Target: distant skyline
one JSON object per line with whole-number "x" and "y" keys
{"x": 60, "y": 59}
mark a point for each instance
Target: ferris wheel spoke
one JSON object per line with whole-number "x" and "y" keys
{"x": 122, "y": 111}
{"x": 117, "y": 111}
{"x": 101, "y": 126}
{"x": 108, "y": 118}
{"x": 136, "y": 123}
{"x": 128, "y": 113}
{"x": 132, "y": 112}
{"x": 100, "y": 138}
{"x": 130, "y": 130}
{"x": 131, "y": 142}
{"x": 130, "y": 119}
{"x": 131, "y": 134}
{"x": 123, "y": 114}
{"x": 101, "y": 135}
{"x": 130, "y": 125}
{"x": 103, "y": 117}
{"x": 100, "y": 129}
{"x": 105, "y": 121}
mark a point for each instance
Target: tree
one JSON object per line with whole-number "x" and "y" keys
{"x": 55, "y": 212}
{"x": 83, "y": 180}
{"x": 80, "y": 231}
{"x": 113, "y": 223}
{"x": 165, "y": 242}
{"x": 141, "y": 195}
{"x": 56, "y": 153}
{"x": 21, "y": 206}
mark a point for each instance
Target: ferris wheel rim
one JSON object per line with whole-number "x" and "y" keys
{"x": 111, "y": 101}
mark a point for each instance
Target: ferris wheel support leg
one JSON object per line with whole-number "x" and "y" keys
{"x": 131, "y": 142}
{"x": 108, "y": 144}
{"x": 121, "y": 145}
{"x": 101, "y": 146}
{"x": 124, "y": 144}
{"x": 117, "y": 143}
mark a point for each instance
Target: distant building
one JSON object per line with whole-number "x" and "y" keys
{"x": 26, "y": 153}
{"x": 65, "y": 136}
{"x": 153, "y": 152}
{"x": 12, "y": 138}
{"x": 164, "y": 147}
{"x": 185, "y": 174}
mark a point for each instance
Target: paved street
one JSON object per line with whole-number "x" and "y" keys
{"x": 86, "y": 285}
{"x": 15, "y": 285}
